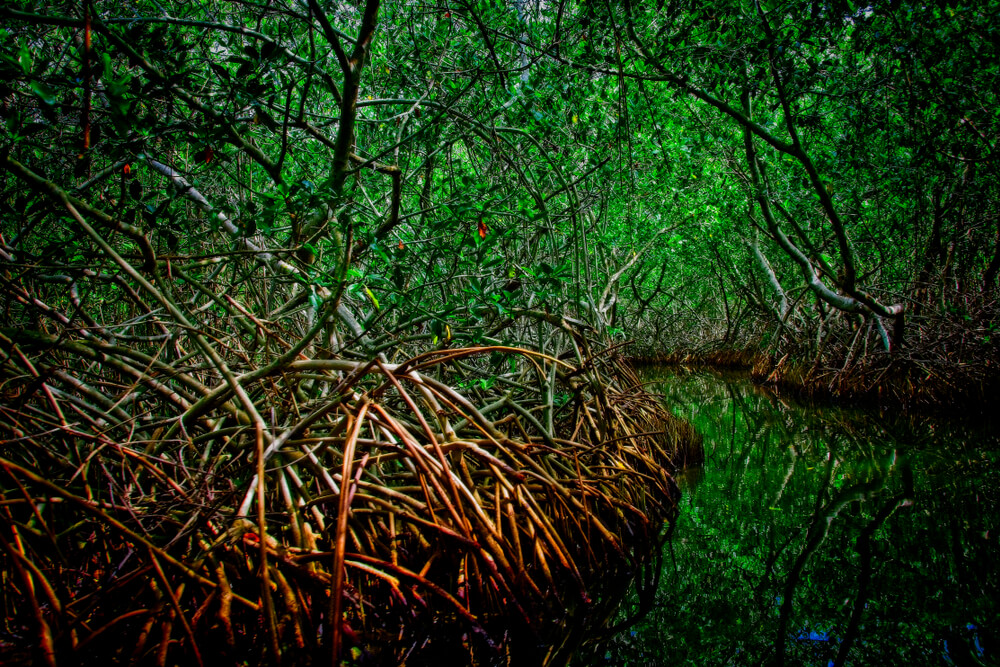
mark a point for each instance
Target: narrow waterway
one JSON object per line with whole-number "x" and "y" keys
{"x": 824, "y": 536}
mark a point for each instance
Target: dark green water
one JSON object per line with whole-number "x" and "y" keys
{"x": 824, "y": 536}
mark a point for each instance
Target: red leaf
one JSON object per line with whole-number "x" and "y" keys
{"x": 482, "y": 229}
{"x": 401, "y": 245}
{"x": 127, "y": 169}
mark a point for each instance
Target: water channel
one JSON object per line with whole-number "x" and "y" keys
{"x": 824, "y": 536}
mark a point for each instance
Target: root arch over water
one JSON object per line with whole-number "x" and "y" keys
{"x": 425, "y": 517}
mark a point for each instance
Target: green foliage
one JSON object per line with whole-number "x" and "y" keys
{"x": 575, "y": 133}
{"x": 386, "y": 178}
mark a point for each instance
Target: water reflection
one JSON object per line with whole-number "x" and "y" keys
{"x": 823, "y": 536}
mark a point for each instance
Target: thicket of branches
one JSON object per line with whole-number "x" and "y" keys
{"x": 310, "y": 304}
{"x": 302, "y": 357}
{"x": 840, "y": 162}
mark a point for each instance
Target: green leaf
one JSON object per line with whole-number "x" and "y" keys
{"x": 46, "y": 94}
{"x": 24, "y": 60}
{"x": 315, "y": 300}
{"x": 371, "y": 296}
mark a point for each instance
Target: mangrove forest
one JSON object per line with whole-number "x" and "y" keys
{"x": 499, "y": 332}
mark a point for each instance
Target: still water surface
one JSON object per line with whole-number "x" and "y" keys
{"x": 824, "y": 536}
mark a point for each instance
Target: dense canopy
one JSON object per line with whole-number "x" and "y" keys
{"x": 251, "y": 252}
{"x": 677, "y": 174}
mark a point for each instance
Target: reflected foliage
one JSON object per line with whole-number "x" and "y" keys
{"x": 823, "y": 536}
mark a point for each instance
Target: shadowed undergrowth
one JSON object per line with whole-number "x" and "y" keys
{"x": 945, "y": 364}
